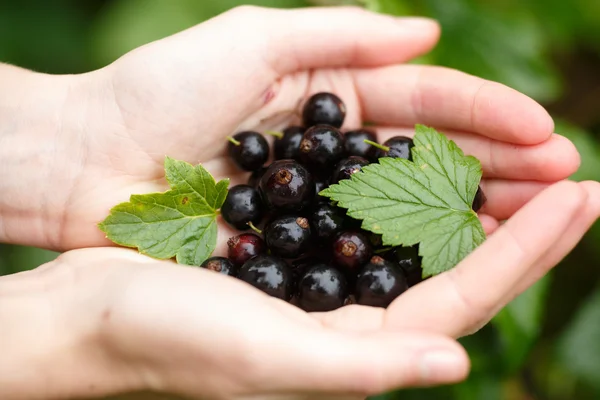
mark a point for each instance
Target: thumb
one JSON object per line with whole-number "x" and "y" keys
{"x": 333, "y": 363}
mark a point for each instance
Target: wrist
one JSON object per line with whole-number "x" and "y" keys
{"x": 50, "y": 340}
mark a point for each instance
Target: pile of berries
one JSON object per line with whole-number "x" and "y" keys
{"x": 298, "y": 246}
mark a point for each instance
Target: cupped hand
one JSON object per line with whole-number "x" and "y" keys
{"x": 130, "y": 323}
{"x": 251, "y": 68}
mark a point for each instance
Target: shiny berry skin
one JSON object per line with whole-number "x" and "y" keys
{"x": 348, "y": 166}
{"x": 243, "y": 247}
{"x": 479, "y": 200}
{"x": 288, "y": 147}
{"x": 321, "y": 148}
{"x": 242, "y": 205}
{"x": 324, "y": 108}
{"x": 320, "y": 184}
{"x": 221, "y": 265}
{"x": 255, "y": 176}
{"x": 409, "y": 261}
{"x": 288, "y": 236}
{"x": 399, "y": 147}
{"x": 322, "y": 288}
{"x": 252, "y": 151}
{"x": 286, "y": 186}
{"x": 354, "y": 143}
{"x": 351, "y": 250}
{"x": 325, "y": 221}
{"x": 270, "y": 274}
{"x": 379, "y": 283}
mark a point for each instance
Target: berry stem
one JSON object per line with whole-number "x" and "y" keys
{"x": 277, "y": 134}
{"x": 232, "y": 140}
{"x": 254, "y": 228}
{"x": 382, "y": 250}
{"x": 375, "y": 144}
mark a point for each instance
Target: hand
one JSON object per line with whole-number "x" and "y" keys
{"x": 120, "y": 322}
{"x": 249, "y": 69}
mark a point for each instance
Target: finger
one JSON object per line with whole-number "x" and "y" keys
{"x": 552, "y": 160}
{"x": 342, "y": 36}
{"x": 569, "y": 239}
{"x": 327, "y": 361}
{"x": 408, "y": 94}
{"x": 505, "y": 197}
{"x": 470, "y": 293}
{"x": 489, "y": 223}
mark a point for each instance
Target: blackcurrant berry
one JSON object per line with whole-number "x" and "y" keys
{"x": 479, "y": 200}
{"x": 409, "y": 261}
{"x": 242, "y": 205}
{"x": 221, "y": 265}
{"x": 354, "y": 143}
{"x": 325, "y": 221}
{"x": 396, "y": 147}
{"x": 288, "y": 146}
{"x": 351, "y": 250}
{"x": 324, "y": 108}
{"x": 270, "y": 274}
{"x": 255, "y": 176}
{"x": 379, "y": 283}
{"x": 348, "y": 166}
{"x": 288, "y": 236}
{"x": 321, "y": 148}
{"x": 242, "y": 248}
{"x": 286, "y": 186}
{"x": 322, "y": 288}
{"x": 249, "y": 150}
{"x": 320, "y": 184}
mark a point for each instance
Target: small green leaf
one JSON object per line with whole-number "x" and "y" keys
{"x": 180, "y": 222}
{"x": 427, "y": 201}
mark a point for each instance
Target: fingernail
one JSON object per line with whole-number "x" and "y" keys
{"x": 442, "y": 366}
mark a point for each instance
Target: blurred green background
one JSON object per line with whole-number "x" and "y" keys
{"x": 544, "y": 345}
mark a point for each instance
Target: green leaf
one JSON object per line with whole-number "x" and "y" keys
{"x": 180, "y": 222}
{"x": 426, "y": 201}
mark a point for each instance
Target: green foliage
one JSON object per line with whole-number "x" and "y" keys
{"x": 427, "y": 200}
{"x": 180, "y": 222}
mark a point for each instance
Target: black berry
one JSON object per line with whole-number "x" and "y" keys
{"x": 255, "y": 176}
{"x": 398, "y": 147}
{"x": 286, "y": 186}
{"x": 409, "y": 261}
{"x": 242, "y": 248}
{"x": 221, "y": 265}
{"x": 269, "y": 274}
{"x": 324, "y": 108}
{"x": 351, "y": 250}
{"x": 321, "y": 148}
{"x": 288, "y": 236}
{"x": 479, "y": 200}
{"x": 325, "y": 221}
{"x": 288, "y": 146}
{"x": 322, "y": 288}
{"x": 249, "y": 150}
{"x": 242, "y": 205}
{"x": 348, "y": 166}
{"x": 354, "y": 143}
{"x": 379, "y": 283}
{"x": 321, "y": 184}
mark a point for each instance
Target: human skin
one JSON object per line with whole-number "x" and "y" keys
{"x": 103, "y": 320}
